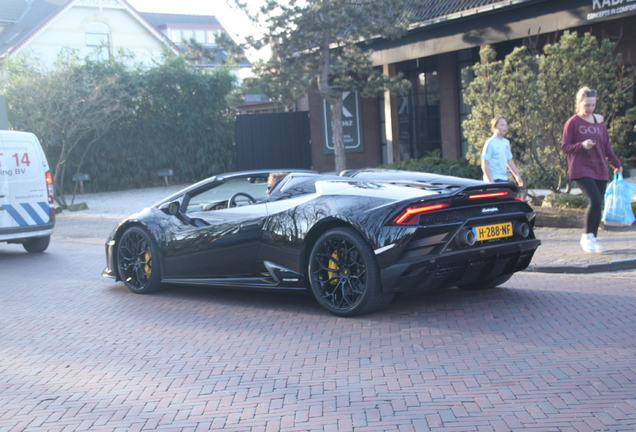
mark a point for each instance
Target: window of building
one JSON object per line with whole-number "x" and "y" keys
{"x": 212, "y": 36}
{"x": 205, "y": 37}
{"x": 97, "y": 34}
{"x": 419, "y": 118}
{"x": 186, "y": 35}
{"x": 97, "y": 40}
{"x": 175, "y": 35}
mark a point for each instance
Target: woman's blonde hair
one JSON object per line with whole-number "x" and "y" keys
{"x": 494, "y": 121}
{"x": 581, "y": 94}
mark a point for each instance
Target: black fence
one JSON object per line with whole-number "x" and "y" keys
{"x": 270, "y": 141}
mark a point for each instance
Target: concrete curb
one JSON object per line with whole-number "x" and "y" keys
{"x": 616, "y": 265}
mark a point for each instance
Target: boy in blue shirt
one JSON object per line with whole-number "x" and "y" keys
{"x": 496, "y": 157}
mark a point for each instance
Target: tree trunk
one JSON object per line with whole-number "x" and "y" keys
{"x": 334, "y": 99}
{"x": 338, "y": 138}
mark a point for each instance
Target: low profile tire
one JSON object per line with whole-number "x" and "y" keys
{"x": 138, "y": 261}
{"x": 488, "y": 284}
{"x": 344, "y": 274}
{"x": 36, "y": 244}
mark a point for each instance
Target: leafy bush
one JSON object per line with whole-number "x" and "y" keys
{"x": 169, "y": 116}
{"x": 433, "y": 162}
{"x": 536, "y": 177}
{"x": 565, "y": 201}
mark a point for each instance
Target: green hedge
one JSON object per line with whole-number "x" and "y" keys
{"x": 433, "y": 162}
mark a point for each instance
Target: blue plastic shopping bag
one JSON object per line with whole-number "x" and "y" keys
{"x": 618, "y": 202}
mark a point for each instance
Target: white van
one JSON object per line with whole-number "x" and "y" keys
{"x": 27, "y": 205}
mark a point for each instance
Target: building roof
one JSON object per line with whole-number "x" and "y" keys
{"x": 23, "y": 18}
{"x": 12, "y": 10}
{"x": 435, "y": 9}
{"x": 173, "y": 20}
{"x": 438, "y": 11}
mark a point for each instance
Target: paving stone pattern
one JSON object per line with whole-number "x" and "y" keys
{"x": 79, "y": 352}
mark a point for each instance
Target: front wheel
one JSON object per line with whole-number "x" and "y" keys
{"x": 344, "y": 274}
{"x": 138, "y": 261}
{"x": 488, "y": 284}
{"x": 36, "y": 244}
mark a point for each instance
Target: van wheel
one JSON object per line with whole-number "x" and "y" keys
{"x": 36, "y": 244}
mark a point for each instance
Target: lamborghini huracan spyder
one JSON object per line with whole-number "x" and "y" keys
{"x": 353, "y": 241}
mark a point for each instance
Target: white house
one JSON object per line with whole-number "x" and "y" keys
{"x": 96, "y": 27}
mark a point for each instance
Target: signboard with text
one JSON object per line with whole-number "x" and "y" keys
{"x": 350, "y": 124}
{"x": 611, "y": 8}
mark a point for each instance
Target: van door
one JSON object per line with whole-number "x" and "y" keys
{"x": 24, "y": 168}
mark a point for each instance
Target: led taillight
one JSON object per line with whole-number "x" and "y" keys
{"x": 49, "y": 186}
{"x": 488, "y": 195}
{"x": 406, "y": 217}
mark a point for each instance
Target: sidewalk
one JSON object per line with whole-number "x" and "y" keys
{"x": 559, "y": 252}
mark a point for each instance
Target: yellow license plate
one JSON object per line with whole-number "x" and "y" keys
{"x": 489, "y": 232}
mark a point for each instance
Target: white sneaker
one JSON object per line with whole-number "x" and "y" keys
{"x": 597, "y": 247}
{"x": 588, "y": 243}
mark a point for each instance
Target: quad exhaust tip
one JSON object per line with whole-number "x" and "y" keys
{"x": 522, "y": 229}
{"x": 466, "y": 237}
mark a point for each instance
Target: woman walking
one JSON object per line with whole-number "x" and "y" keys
{"x": 588, "y": 149}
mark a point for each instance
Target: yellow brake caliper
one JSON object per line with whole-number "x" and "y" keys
{"x": 148, "y": 260}
{"x": 332, "y": 265}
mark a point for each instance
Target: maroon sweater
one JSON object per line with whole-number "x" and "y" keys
{"x": 587, "y": 163}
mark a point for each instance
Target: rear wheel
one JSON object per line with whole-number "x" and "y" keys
{"x": 344, "y": 274}
{"x": 36, "y": 244}
{"x": 487, "y": 284}
{"x": 138, "y": 261}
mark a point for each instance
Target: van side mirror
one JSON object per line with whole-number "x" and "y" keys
{"x": 170, "y": 208}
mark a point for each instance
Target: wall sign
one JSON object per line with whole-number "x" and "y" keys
{"x": 350, "y": 124}
{"x": 606, "y": 8}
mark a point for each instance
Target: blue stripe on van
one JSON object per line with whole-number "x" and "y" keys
{"x": 31, "y": 211}
{"x": 45, "y": 206}
{"x": 15, "y": 215}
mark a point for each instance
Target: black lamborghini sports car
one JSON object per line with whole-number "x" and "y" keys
{"x": 353, "y": 241}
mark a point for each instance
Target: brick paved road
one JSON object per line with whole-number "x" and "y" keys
{"x": 79, "y": 352}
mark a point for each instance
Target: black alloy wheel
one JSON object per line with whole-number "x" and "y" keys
{"x": 138, "y": 261}
{"x": 344, "y": 274}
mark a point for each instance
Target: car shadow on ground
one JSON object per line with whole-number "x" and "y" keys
{"x": 507, "y": 306}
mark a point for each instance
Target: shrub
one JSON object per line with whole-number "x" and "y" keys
{"x": 565, "y": 201}
{"x": 433, "y": 162}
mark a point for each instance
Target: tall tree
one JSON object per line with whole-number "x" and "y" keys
{"x": 322, "y": 44}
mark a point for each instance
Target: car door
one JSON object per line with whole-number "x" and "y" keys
{"x": 217, "y": 242}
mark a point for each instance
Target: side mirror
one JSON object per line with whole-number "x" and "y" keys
{"x": 170, "y": 208}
